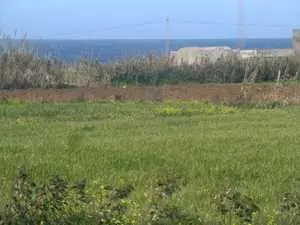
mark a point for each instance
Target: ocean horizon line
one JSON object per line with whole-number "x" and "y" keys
{"x": 142, "y": 39}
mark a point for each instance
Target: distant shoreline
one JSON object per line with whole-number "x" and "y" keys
{"x": 144, "y": 39}
{"x": 114, "y": 49}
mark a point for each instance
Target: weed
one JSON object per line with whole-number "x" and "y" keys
{"x": 233, "y": 203}
{"x": 50, "y": 203}
{"x": 59, "y": 202}
{"x": 162, "y": 211}
{"x": 185, "y": 108}
{"x": 112, "y": 209}
{"x": 289, "y": 211}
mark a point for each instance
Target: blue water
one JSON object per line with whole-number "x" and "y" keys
{"x": 107, "y": 50}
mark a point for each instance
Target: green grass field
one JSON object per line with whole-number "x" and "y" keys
{"x": 254, "y": 150}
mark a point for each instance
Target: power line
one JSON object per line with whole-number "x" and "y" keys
{"x": 108, "y": 28}
{"x": 214, "y": 23}
{"x": 178, "y": 22}
{"x": 167, "y": 36}
{"x": 241, "y": 22}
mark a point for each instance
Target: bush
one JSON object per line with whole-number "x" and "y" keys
{"x": 19, "y": 68}
{"x": 22, "y": 68}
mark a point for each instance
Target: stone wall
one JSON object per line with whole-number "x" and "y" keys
{"x": 296, "y": 41}
{"x": 197, "y": 55}
{"x": 191, "y": 55}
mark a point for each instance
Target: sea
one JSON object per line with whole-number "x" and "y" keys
{"x": 112, "y": 50}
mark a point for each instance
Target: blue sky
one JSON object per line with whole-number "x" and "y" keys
{"x": 100, "y": 19}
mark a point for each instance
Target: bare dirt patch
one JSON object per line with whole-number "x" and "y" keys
{"x": 214, "y": 93}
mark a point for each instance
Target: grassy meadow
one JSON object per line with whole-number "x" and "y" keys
{"x": 117, "y": 143}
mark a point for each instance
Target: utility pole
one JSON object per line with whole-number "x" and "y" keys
{"x": 241, "y": 24}
{"x": 168, "y": 38}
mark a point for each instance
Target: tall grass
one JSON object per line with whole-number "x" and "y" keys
{"x": 20, "y": 67}
{"x": 204, "y": 162}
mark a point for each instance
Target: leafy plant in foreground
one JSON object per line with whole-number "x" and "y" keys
{"x": 233, "y": 203}
{"x": 289, "y": 211}
{"x": 113, "y": 207}
{"x": 162, "y": 210}
{"x": 59, "y": 202}
{"x": 52, "y": 203}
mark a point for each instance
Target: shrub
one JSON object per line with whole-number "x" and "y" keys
{"x": 22, "y": 68}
